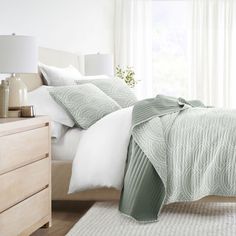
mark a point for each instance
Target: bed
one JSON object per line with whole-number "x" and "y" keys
{"x": 61, "y": 169}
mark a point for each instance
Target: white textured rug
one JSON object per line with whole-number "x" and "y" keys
{"x": 189, "y": 219}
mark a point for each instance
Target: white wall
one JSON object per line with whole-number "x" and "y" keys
{"x": 81, "y": 26}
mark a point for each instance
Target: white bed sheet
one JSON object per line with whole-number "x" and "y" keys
{"x": 102, "y": 151}
{"x": 98, "y": 153}
{"x": 65, "y": 148}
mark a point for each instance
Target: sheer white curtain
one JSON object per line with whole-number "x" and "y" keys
{"x": 133, "y": 41}
{"x": 213, "y": 52}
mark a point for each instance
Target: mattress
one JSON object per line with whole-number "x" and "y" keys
{"x": 65, "y": 148}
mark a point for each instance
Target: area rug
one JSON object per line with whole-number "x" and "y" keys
{"x": 180, "y": 219}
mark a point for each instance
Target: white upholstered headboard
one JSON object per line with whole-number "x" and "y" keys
{"x": 54, "y": 58}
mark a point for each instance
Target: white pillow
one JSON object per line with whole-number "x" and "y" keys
{"x": 55, "y": 76}
{"x": 101, "y": 153}
{"x": 44, "y": 104}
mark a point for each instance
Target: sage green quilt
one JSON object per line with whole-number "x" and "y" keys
{"x": 179, "y": 151}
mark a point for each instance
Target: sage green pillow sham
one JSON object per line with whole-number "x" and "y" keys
{"x": 85, "y": 103}
{"x": 114, "y": 88}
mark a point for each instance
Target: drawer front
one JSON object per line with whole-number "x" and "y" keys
{"x": 23, "y": 182}
{"x": 20, "y": 218}
{"x": 22, "y": 148}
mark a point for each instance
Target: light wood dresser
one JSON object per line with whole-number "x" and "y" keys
{"x": 25, "y": 175}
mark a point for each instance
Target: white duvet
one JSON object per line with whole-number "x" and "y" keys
{"x": 101, "y": 154}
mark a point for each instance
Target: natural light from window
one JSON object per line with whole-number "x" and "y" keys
{"x": 170, "y": 48}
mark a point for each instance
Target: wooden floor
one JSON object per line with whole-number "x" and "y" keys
{"x": 64, "y": 216}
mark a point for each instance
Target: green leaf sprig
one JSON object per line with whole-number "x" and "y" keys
{"x": 127, "y": 74}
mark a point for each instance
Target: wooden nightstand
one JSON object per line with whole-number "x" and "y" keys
{"x": 25, "y": 175}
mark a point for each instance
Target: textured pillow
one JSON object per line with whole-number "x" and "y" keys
{"x": 85, "y": 103}
{"x": 55, "y": 76}
{"x": 114, "y": 88}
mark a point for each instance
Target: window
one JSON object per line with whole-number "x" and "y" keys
{"x": 170, "y": 48}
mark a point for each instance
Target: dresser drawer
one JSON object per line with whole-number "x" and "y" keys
{"x": 22, "y": 148}
{"x": 21, "y": 218}
{"x": 23, "y": 182}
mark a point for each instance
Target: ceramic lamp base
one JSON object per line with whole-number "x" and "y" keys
{"x": 17, "y": 92}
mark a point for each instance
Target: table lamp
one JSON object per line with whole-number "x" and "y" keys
{"x": 98, "y": 64}
{"x": 18, "y": 55}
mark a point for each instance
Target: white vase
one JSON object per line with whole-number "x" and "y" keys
{"x": 17, "y": 92}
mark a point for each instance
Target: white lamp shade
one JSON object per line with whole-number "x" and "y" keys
{"x": 98, "y": 64}
{"x": 18, "y": 54}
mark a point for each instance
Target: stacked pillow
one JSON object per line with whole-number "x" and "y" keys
{"x": 114, "y": 88}
{"x": 85, "y": 103}
{"x": 93, "y": 98}
{"x": 54, "y": 76}
{"x": 44, "y": 104}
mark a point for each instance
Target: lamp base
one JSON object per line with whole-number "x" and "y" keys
{"x": 17, "y": 92}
